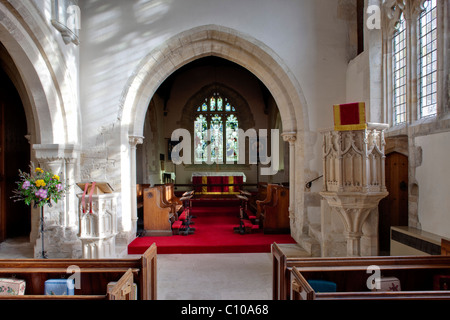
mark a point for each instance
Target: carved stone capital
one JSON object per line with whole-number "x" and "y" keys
{"x": 135, "y": 140}
{"x": 290, "y": 137}
{"x": 55, "y": 152}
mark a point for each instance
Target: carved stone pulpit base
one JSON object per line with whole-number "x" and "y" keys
{"x": 353, "y": 208}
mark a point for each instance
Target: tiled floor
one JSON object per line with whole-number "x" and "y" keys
{"x": 195, "y": 276}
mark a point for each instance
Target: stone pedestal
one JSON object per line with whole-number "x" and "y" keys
{"x": 354, "y": 179}
{"x": 60, "y": 220}
{"x": 98, "y": 229}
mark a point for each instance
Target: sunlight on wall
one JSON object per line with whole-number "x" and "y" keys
{"x": 147, "y": 11}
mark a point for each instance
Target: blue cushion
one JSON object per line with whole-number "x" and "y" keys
{"x": 322, "y": 286}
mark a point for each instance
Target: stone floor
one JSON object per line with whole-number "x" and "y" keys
{"x": 195, "y": 276}
{"x": 215, "y": 277}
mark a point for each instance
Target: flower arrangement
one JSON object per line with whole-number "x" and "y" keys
{"x": 39, "y": 188}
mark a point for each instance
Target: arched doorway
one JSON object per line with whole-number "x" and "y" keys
{"x": 46, "y": 87}
{"x": 393, "y": 210}
{"x": 15, "y": 217}
{"x": 241, "y": 49}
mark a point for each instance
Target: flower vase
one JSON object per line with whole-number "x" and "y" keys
{"x": 41, "y": 229}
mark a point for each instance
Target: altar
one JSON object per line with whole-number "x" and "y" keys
{"x": 218, "y": 182}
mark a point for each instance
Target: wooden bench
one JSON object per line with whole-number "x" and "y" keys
{"x": 416, "y": 273}
{"x": 281, "y": 265}
{"x": 158, "y": 216}
{"x": 273, "y": 211}
{"x": 445, "y": 247}
{"x": 140, "y": 195}
{"x": 302, "y": 290}
{"x": 94, "y": 276}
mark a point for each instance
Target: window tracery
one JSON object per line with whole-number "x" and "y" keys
{"x": 216, "y": 131}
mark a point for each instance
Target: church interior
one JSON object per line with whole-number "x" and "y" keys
{"x": 305, "y": 140}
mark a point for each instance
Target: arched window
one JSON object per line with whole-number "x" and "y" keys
{"x": 399, "y": 72}
{"x": 427, "y": 60}
{"x": 413, "y": 72}
{"x": 216, "y": 131}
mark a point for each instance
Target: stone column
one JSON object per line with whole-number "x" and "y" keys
{"x": 291, "y": 137}
{"x": 354, "y": 181}
{"x": 134, "y": 141}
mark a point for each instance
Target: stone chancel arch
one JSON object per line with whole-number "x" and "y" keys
{"x": 217, "y": 41}
{"x": 213, "y": 40}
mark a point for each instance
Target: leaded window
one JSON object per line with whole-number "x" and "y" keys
{"x": 399, "y": 72}
{"x": 427, "y": 60}
{"x": 216, "y": 131}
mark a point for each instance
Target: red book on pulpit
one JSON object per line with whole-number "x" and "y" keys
{"x": 350, "y": 116}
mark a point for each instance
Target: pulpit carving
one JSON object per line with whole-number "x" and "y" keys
{"x": 354, "y": 177}
{"x": 98, "y": 227}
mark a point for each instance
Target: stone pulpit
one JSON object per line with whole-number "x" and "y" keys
{"x": 354, "y": 178}
{"x": 98, "y": 226}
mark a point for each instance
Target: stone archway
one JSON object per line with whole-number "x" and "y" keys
{"x": 241, "y": 49}
{"x": 39, "y": 70}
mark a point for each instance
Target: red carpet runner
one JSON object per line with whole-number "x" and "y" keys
{"x": 213, "y": 234}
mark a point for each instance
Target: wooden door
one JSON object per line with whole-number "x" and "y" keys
{"x": 393, "y": 210}
{"x": 15, "y": 219}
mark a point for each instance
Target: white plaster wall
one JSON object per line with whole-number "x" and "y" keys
{"x": 433, "y": 177}
{"x": 358, "y": 82}
{"x": 306, "y": 34}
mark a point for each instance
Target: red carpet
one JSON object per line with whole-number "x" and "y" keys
{"x": 213, "y": 234}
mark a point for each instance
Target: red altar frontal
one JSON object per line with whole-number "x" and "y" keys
{"x": 218, "y": 182}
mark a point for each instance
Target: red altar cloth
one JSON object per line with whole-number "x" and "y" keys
{"x": 212, "y": 180}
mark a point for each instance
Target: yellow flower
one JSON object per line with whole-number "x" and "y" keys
{"x": 39, "y": 170}
{"x": 56, "y": 177}
{"x": 40, "y": 183}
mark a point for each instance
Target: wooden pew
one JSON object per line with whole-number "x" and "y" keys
{"x": 281, "y": 266}
{"x": 273, "y": 212}
{"x": 123, "y": 289}
{"x": 266, "y": 192}
{"x": 302, "y": 290}
{"x": 416, "y": 273}
{"x": 140, "y": 194}
{"x": 94, "y": 276}
{"x": 158, "y": 216}
{"x": 445, "y": 247}
{"x": 260, "y": 195}
{"x": 170, "y": 199}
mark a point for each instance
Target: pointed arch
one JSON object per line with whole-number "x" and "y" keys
{"x": 222, "y": 42}
{"x": 242, "y": 49}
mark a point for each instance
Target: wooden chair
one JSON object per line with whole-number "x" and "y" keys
{"x": 246, "y": 224}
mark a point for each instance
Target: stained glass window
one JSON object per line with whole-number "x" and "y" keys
{"x": 216, "y": 131}
{"x": 200, "y": 138}
{"x": 216, "y": 138}
{"x": 427, "y": 60}
{"x": 213, "y": 104}
{"x": 232, "y": 138}
{"x": 399, "y": 72}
